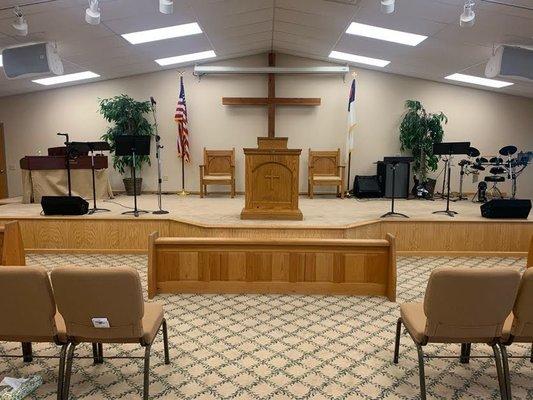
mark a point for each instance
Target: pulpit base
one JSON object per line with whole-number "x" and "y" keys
{"x": 292, "y": 215}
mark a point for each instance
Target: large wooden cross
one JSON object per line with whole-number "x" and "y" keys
{"x": 271, "y": 101}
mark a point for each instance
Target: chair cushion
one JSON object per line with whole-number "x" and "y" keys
{"x": 152, "y": 319}
{"x": 217, "y": 177}
{"x": 414, "y": 319}
{"x": 327, "y": 178}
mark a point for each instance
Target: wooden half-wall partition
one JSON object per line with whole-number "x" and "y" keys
{"x": 451, "y": 237}
{"x": 11, "y": 244}
{"x": 305, "y": 266}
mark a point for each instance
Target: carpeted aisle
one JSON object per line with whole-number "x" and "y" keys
{"x": 279, "y": 347}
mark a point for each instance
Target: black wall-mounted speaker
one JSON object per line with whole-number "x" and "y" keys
{"x": 64, "y": 205}
{"x": 506, "y": 208}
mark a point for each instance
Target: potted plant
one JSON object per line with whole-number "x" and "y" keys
{"x": 419, "y": 130}
{"x": 128, "y": 118}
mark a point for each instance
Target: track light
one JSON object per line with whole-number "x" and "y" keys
{"x": 92, "y": 14}
{"x": 468, "y": 16}
{"x": 20, "y": 24}
{"x": 387, "y": 6}
{"x": 166, "y": 6}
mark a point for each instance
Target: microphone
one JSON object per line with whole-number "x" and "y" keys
{"x": 152, "y": 100}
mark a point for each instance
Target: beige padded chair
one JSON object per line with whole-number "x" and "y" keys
{"x": 85, "y": 293}
{"x": 461, "y": 305}
{"x": 518, "y": 327}
{"x": 29, "y": 312}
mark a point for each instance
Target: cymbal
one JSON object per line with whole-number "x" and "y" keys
{"x": 473, "y": 152}
{"x": 478, "y": 167}
{"x": 496, "y": 160}
{"x": 508, "y": 150}
{"x": 481, "y": 160}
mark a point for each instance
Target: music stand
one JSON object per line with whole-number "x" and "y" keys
{"x": 133, "y": 145}
{"x": 92, "y": 147}
{"x": 394, "y": 161}
{"x": 449, "y": 149}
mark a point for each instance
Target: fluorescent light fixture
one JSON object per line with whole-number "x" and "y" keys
{"x": 56, "y": 80}
{"x": 1, "y": 62}
{"x": 376, "y": 62}
{"x": 389, "y": 35}
{"x": 186, "y": 58}
{"x": 476, "y": 80}
{"x": 169, "y": 32}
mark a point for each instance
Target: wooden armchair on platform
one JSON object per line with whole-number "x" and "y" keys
{"x": 218, "y": 169}
{"x": 325, "y": 169}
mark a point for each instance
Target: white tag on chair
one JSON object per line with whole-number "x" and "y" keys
{"x": 100, "y": 323}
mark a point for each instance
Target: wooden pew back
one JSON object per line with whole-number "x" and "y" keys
{"x": 11, "y": 244}
{"x": 306, "y": 266}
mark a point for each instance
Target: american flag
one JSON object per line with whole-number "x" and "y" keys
{"x": 181, "y": 118}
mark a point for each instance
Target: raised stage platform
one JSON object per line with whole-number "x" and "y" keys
{"x": 324, "y": 217}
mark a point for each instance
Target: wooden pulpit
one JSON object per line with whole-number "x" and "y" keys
{"x": 271, "y": 180}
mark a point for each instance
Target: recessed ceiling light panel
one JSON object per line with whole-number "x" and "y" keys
{"x": 56, "y": 80}
{"x": 389, "y": 35}
{"x": 376, "y": 62}
{"x": 476, "y": 80}
{"x": 169, "y": 32}
{"x": 186, "y": 58}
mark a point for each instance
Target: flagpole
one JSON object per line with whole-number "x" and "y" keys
{"x": 183, "y": 191}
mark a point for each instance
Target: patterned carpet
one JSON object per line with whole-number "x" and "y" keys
{"x": 279, "y": 347}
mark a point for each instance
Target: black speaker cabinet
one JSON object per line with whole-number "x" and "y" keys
{"x": 64, "y": 205}
{"x": 366, "y": 187}
{"x": 401, "y": 186}
{"x": 506, "y": 208}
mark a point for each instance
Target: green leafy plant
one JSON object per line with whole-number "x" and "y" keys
{"x": 128, "y": 118}
{"x": 419, "y": 130}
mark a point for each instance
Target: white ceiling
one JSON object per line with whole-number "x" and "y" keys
{"x": 309, "y": 28}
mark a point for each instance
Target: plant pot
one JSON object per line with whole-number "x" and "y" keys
{"x": 128, "y": 185}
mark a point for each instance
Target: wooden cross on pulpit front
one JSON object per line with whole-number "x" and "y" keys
{"x": 271, "y": 101}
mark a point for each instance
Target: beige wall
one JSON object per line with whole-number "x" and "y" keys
{"x": 489, "y": 120}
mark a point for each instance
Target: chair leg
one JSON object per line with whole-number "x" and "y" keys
{"x": 421, "y": 372}
{"x": 205, "y": 190}
{"x": 201, "y": 189}
{"x": 341, "y": 191}
{"x": 499, "y": 370}
{"x": 61, "y": 372}
{"x": 506, "y": 374}
{"x": 100, "y": 353}
{"x": 27, "y": 354}
{"x": 68, "y": 370}
{"x": 311, "y": 191}
{"x": 95, "y": 353}
{"x": 466, "y": 348}
{"x": 397, "y": 340}
{"x": 146, "y": 390}
{"x": 165, "y": 342}
{"x": 232, "y": 189}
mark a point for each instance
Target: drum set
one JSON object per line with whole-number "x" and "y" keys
{"x": 507, "y": 165}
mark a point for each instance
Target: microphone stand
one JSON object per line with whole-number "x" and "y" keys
{"x": 158, "y": 148}
{"x": 67, "y": 157}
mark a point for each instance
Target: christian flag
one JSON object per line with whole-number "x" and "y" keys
{"x": 181, "y": 118}
{"x": 351, "y": 119}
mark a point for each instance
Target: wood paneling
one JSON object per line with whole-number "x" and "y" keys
{"x": 225, "y": 265}
{"x": 416, "y": 237}
{"x": 11, "y": 244}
